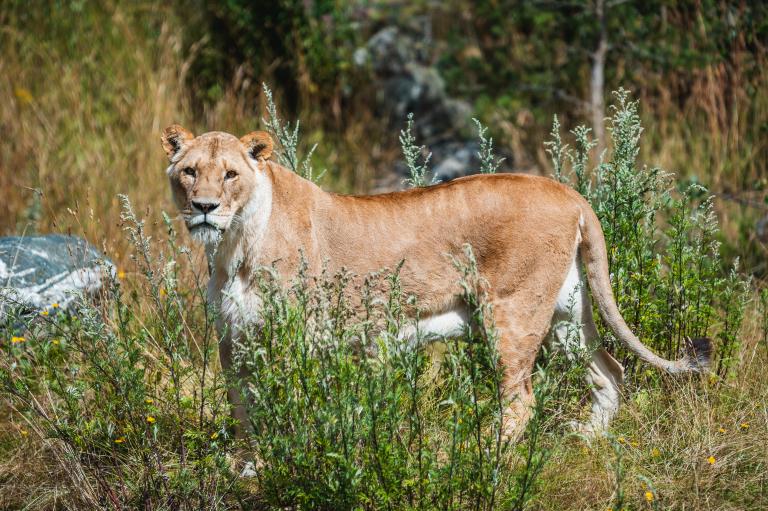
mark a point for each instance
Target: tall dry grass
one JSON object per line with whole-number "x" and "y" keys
{"x": 85, "y": 90}
{"x": 80, "y": 112}
{"x": 81, "y": 109}
{"x": 84, "y": 95}
{"x": 717, "y": 137}
{"x": 694, "y": 445}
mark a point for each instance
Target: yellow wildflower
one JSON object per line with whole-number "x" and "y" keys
{"x": 649, "y": 496}
{"x": 24, "y": 432}
{"x": 149, "y": 400}
{"x": 711, "y": 460}
{"x": 23, "y": 95}
{"x": 43, "y": 313}
{"x": 655, "y": 453}
{"x": 163, "y": 292}
{"x": 55, "y": 341}
{"x": 634, "y": 444}
{"x": 722, "y": 430}
{"x": 151, "y": 419}
{"x": 16, "y": 340}
{"x": 745, "y": 425}
{"x": 54, "y": 305}
{"x": 621, "y": 440}
{"x": 214, "y": 435}
{"x": 121, "y": 274}
{"x": 120, "y": 440}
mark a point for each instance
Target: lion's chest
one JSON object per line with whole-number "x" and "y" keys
{"x": 237, "y": 304}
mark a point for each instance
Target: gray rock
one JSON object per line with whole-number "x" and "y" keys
{"x": 457, "y": 160}
{"x": 408, "y": 83}
{"x": 39, "y": 271}
{"x": 389, "y": 51}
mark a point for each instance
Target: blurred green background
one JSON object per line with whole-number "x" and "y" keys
{"x": 86, "y": 88}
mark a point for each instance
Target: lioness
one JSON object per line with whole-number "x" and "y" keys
{"x": 534, "y": 240}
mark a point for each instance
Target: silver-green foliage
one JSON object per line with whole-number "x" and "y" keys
{"x": 418, "y": 164}
{"x": 488, "y": 162}
{"x": 347, "y": 415}
{"x": 288, "y": 140}
{"x": 667, "y": 277}
{"x": 124, "y": 390}
{"x": 413, "y": 153}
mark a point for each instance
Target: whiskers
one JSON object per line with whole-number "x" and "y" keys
{"x": 237, "y": 221}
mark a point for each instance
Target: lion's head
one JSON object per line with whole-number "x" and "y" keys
{"x": 214, "y": 176}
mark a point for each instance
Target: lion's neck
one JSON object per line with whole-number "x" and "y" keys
{"x": 242, "y": 241}
{"x": 281, "y": 199}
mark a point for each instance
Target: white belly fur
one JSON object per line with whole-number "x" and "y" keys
{"x": 570, "y": 295}
{"x": 440, "y": 326}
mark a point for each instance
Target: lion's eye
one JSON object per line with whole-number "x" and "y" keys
{"x": 231, "y": 174}
{"x": 188, "y": 171}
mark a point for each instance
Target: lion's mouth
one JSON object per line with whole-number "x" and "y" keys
{"x": 203, "y": 222}
{"x": 207, "y": 227}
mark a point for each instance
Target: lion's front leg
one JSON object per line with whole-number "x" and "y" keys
{"x": 234, "y": 377}
{"x": 238, "y": 311}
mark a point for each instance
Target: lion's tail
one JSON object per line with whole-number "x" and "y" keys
{"x": 595, "y": 258}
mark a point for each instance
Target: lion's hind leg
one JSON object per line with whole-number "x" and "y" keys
{"x": 577, "y": 334}
{"x": 521, "y": 331}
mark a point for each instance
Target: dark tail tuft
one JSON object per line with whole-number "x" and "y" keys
{"x": 698, "y": 354}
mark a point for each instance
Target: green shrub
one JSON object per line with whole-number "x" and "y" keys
{"x": 663, "y": 252}
{"x": 344, "y": 413}
{"x": 125, "y": 391}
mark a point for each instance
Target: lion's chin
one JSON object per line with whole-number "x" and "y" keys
{"x": 206, "y": 234}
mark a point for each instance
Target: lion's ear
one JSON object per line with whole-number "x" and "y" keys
{"x": 258, "y": 144}
{"x": 174, "y": 138}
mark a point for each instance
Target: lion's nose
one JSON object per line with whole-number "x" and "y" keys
{"x": 206, "y": 206}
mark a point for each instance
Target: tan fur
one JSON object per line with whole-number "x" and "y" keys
{"x": 526, "y": 233}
